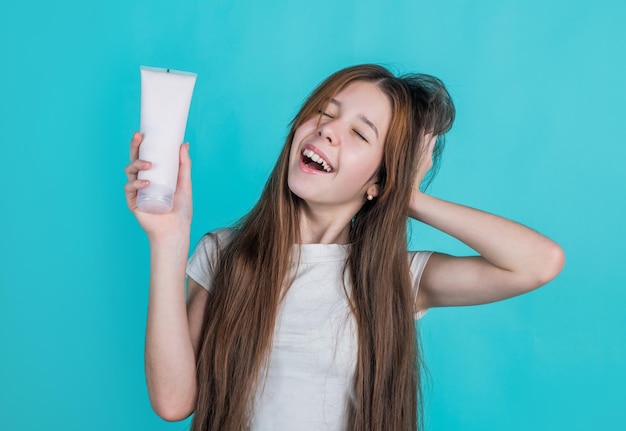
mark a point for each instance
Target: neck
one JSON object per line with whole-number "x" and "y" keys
{"x": 324, "y": 224}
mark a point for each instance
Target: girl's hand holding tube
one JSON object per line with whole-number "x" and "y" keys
{"x": 160, "y": 226}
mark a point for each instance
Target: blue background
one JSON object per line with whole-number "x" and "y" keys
{"x": 540, "y": 138}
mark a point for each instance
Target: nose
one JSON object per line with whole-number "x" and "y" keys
{"x": 327, "y": 132}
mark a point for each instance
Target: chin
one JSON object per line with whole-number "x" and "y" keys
{"x": 296, "y": 191}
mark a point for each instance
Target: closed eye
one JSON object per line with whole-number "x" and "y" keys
{"x": 360, "y": 135}
{"x": 325, "y": 114}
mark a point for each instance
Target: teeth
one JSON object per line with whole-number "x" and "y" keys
{"x": 317, "y": 159}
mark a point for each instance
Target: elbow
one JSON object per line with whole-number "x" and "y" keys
{"x": 552, "y": 262}
{"x": 172, "y": 411}
{"x": 173, "y": 399}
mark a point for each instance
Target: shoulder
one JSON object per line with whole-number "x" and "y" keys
{"x": 212, "y": 243}
{"x": 417, "y": 261}
{"x": 203, "y": 261}
{"x": 217, "y": 239}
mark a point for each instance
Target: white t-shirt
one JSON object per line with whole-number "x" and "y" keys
{"x": 309, "y": 376}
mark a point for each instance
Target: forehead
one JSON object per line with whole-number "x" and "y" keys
{"x": 366, "y": 99}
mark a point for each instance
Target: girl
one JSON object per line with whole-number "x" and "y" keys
{"x": 302, "y": 316}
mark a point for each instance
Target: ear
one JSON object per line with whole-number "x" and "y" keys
{"x": 373, "y": 190}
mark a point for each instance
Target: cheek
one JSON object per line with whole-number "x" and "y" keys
{"x": 295, "y": 142}
{"x": 305, "y": 129}
{"x": 366, "y": 166}
{"x": 293, "y": 148}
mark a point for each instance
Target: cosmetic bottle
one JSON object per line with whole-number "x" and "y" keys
{"x": 165, "y": 100}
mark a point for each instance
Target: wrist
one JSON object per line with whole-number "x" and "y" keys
{"x": 169, "y": 252}
{"x": 416, "y": 202}
{"x": 170, "y": 239}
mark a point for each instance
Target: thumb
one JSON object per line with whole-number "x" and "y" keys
{"x": 184, "y": 168}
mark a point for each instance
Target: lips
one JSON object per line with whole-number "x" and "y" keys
{"x": 315, "y": 159}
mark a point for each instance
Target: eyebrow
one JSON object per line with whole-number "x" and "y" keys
{"x": 361, "y": 117}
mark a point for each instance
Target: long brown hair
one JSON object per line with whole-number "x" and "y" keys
{"x": 253, "y": 273}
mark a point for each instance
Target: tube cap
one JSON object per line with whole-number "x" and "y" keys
{"x": 156, "y": 199}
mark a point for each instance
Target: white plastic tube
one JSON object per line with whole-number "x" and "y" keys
{"x": 165, "y": 99}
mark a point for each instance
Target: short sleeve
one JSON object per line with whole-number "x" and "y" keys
{"x": 417, "y": 263}
{"x": 202, "y": 263}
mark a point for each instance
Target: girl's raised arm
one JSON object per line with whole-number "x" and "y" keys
{"x": 513, "y": 259}
{"x": 169, "y": 352}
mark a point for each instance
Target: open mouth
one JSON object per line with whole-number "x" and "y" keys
{"x": 313, "y": 160}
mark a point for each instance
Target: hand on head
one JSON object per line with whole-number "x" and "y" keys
{"x": 425, "y": 162}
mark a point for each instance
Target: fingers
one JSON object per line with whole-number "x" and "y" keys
{"x": 430, "y": 139}
{"x": 133, "y": 168}
{"x": 133, "y": 186}
{"x": 130, "y": 190}
{"x": 433, "y": 141}
{"x": 135, "y": 164}
{"x": 425, "y": 161}
{"x": 134, "y": 146}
